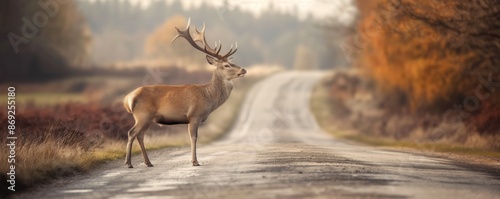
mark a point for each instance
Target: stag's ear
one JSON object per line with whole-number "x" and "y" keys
{"x": 211, "y": 60}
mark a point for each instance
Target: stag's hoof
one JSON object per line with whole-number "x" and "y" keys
{"x": 149, "y": 164}
{"x": 195, "y": 164}
{"x": 129, "y": 165}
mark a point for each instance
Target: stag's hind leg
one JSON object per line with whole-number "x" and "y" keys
{"x": 141, "y": 125}
{"x": 140, "y": 139}
{"x": 129, "y": 147}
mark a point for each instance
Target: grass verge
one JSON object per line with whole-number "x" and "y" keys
{"x": 324, "y": 111}
{"x": 41, "y": 162}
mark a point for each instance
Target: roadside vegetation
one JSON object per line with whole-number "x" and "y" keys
{"x": 353, "y": 113}
{"x": 72, "y": 71}
{"x": 423, "y": 74}
{"x": 83, "y": 130}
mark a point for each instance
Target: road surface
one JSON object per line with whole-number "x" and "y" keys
{"x": 276, "y": 150}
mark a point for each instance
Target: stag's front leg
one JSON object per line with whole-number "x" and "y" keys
{"x": 193, "y": 133}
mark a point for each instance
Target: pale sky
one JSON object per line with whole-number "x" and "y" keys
{"x": 344, "y": 10}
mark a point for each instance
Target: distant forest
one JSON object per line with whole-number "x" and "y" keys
{"x": 121, "y": 30}
{"x": 50, "y": 39}
{"x": 41, "y": 39}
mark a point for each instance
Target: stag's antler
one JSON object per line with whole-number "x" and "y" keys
{"x": 199, "y": 36}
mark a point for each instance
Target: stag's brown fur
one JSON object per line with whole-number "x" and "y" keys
{"x": 179, "y": 104}
{"x": 186, "y": 104}
{"x": 166, "y": 107}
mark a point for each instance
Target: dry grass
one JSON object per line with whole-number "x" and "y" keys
{"x": 328, "y": 109}
{"x": 39, "y": 99}
{"x": 81, "y": 136}
{"x": 38, "y": 162}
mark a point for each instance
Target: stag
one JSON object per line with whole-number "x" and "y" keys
{"x": 182, "y": 104}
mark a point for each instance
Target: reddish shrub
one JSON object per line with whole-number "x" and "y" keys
{"x": 72, "y": 123}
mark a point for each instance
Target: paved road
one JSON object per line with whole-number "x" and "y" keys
{"x": 276, "y": 150}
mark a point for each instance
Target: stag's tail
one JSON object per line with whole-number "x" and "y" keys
{"x": 129, "y": 102}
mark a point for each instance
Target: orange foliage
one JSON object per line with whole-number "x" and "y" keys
{"x": 429, "y": 50}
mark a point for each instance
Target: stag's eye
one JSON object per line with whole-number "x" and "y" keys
{"x": 227, "y": 65}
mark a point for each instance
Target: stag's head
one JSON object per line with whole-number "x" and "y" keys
{"x": 221, "y": 62}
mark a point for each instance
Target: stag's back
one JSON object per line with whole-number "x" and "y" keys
{"x": 166, "y": 99}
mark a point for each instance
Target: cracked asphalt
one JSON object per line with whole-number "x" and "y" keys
{"x": 276, "y": 150}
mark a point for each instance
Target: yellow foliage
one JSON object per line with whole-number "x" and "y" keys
{"x": 158, "y": 44}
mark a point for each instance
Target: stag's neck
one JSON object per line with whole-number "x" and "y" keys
{"x": 218, "y": 90}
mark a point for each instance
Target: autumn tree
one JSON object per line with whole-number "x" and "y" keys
{"x": 436, "y": 53}
{"x": 158, "y": 44}
{"x": 429, "y": 48}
